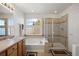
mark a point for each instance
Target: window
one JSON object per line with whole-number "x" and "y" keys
{"x": 2, "y": 31}
{"x": 2, "y": 23}
{"x": 31, "y": 22}
{"x": 3, "y": 27}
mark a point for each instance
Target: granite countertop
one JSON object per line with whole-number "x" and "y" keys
{"x": 4, "y": 44}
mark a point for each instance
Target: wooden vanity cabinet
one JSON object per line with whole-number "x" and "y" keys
{"x": 18, "y": 49}
{"x": 3, "y": 53}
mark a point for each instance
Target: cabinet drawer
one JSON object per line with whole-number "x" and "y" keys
{"x": 14, "y": 53}
{"x": 11, "y": 49}
{"x": 3, "y": 53}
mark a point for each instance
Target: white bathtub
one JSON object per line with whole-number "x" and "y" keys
{"x": 35, "y": 44}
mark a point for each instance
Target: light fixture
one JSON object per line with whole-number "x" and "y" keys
{"x": 32, "y": 10}
{"x": 8, "y": 6}
{"x": 55, "y": 11}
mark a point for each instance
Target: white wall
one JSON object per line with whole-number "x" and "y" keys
{"x": 73, "y": 22}
{"x": 19, "y": 16}
{"x": 14, "y": 21}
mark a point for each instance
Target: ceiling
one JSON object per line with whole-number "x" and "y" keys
{"x": 42, "y": 8}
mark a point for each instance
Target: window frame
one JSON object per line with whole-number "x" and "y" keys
{"x": 4, "y": 26}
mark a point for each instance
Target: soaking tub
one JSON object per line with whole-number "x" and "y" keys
{"x": 35, "y": 44}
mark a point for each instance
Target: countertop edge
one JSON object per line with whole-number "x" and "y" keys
{"x": 3, "y": 47}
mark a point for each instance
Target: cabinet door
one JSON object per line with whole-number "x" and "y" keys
{"x": 3, "y": 53}
{"x": 20, "y": 49}
{"x": 24, "y": 49}
{"x": 12, "y": 50}
{"x": 14, "y": 53}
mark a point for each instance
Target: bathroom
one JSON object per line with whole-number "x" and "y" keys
{"x": 49, "y": 32}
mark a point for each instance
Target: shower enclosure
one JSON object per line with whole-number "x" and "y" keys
{"x": 56, "y": 31}
{"x": 48, "y": 29}
{"x": 60, "y": 29}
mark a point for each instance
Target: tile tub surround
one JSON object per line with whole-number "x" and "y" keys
{"x": 35, "y": 48}
{"x": 4, "y": 44}
{"x": 35, "y": 40}
{"x": 35, "y": 43}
